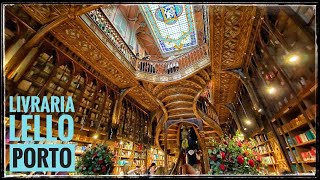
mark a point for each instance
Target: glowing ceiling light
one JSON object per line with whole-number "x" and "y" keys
{"x": 260, "y": 110}
{"x": 248, "y": 122}
{"x": 244, "y": 128}
{"x": 293, "y": 58}
{"x": 95, "y": 136}
{"x": 271, "y": 90}
{"x": 121, "y": 142}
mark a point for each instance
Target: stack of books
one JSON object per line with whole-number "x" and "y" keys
{"x": 268, "y": 160}
{"x": 305, "y": 137}
{"x": 309, "y": 155}
{"x": 291, "y": 141}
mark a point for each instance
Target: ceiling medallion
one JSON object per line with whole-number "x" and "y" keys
{"x": 169, "y": 14}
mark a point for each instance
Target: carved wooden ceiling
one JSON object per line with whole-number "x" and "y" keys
{"x": 47, "y": 13}
{"x": 229, "y": 38}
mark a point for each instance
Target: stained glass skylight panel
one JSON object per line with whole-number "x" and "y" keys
{"x": 172, "y": 26}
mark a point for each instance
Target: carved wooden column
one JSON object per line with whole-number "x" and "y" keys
{"x": 165, "y": 151}
{"x": 279, "y": 155}
{"x": 117, "y": 106}
{"x": 205, "y": 156}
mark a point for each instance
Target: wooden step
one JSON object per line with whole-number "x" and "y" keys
{"x": 162, "y": 139}
{"x": 209, "y": 132}
{"x": 186, "y": 115}
{"x": 169, "y": 135}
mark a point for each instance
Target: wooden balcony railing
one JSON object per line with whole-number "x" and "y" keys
{"x": 113, "y": 35}
{"x": 174, "y": 65}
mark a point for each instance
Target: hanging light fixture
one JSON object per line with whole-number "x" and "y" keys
{"x": 96, "y": 134}
{"x": 247, "y": 120}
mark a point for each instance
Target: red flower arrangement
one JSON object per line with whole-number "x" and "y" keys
{"x": 240, "y": 159}
{"x": 96, "y": 161}
{"x": 234, "y": 156}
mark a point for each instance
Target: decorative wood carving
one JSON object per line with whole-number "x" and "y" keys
{"x": 228, "y": 44}
{"x": 139, "y": 94}
{"x": 45, "y": 13}
{"x": 78, "y": 40}
{"x": 279, "y": 156}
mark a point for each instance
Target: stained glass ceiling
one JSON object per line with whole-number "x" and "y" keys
{"x": 172, "y": 26}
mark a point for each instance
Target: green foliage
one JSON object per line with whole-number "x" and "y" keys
{"x": 235, "y": 156}
{"x": 96, "y": 161}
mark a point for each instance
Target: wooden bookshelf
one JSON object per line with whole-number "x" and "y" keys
{"x": 300, "y": 137}
{"x": 130, "y": 153}
{"x": 265, "y": 150}
{"x": 155, "y": 155}
{"x": 38, "y": 74}
{"x": 133, "y": 122}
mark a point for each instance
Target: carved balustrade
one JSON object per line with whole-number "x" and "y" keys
{"x": 174, "y": 65}
{"x": 113, "y": 35}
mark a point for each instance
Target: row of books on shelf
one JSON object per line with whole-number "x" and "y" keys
{"x": 261, "y": 138}
{"x": 309, "y": 155}
{"x": 45, "y": 57}
{"x": 157, "y": 157}
{"x": 124, "y": 145}
{"x": 268, "y": 160}
{"x": 263, "y": 149}
{"x": 77, "y": 80}
{"x": 296, "y": 122}
{"x": 88, "y": 92}
{"x": 25, "y": 86}
{"x": 139, "y": 162}
{"x": 139, "y": 155}
{"x": 156, "y": 151}
{"x": 122, "y": 162}
{"x": 301, "y": 138}
{"x": 72, "y": 94}
{"x": 306, "y": 155}
{"x": 292, "y": 155}
{"x": 85, "y": 102}
{"x": 123, "y": 153}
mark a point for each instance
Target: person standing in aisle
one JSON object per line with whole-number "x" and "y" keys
{"x": 143, "y": 170}
{"x": 152, "y": 169}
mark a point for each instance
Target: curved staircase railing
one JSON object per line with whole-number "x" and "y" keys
{"x": 207, "y": 112}
{"x": 174, "y": 168}
{"x": 206, "y": 107}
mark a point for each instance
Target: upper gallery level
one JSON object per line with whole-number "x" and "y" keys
{"x": 157, "y": 43}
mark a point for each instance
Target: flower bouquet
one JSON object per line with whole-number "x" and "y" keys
{"x": 235, "y": 156}
{"x": 96, "y": 161}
